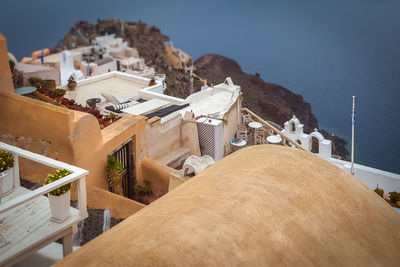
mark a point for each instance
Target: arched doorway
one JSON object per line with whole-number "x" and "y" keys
{"x": 314, "y": 145}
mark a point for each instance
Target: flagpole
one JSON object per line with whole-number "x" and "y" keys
{"x": 352, "y": 137}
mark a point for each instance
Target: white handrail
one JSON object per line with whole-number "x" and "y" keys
{"x": 41, "y": 159}
{"x": 77, "y": 174}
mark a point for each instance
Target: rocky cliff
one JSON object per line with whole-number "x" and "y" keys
{"x": 270, "y": 101}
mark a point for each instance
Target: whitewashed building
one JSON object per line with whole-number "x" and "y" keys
{"x": 317, "y": 144}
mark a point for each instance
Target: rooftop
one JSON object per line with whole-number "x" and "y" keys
{"x": 213, "y": 101}
{"x": 262, "y": 206}
{"x": 55, "y": 58}
{"x": 113, "y": 83}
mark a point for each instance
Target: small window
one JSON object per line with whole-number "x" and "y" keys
{"x": 293, "y": 128}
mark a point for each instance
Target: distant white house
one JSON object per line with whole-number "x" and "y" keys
{"x": 314, "y": 141}
{"x": 126, "y": 58}
{"x": 67, "y": 68}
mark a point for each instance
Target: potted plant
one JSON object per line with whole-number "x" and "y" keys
{"x": 114, "y": 168}
{"x": 58, "y": 95}
{"x": 48, "y": 85}
{"x": 35, "y": 81}
{"x": 6, "y": 171}
{"x": 379, "y": 191}
{"x": 144, "y": 193}
{"x": 59, "y": 198}
{"x": 71, "y": 83}
{"x": 114, "y": 117}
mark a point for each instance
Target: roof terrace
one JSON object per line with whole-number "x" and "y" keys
{"x": 113, "y": 83}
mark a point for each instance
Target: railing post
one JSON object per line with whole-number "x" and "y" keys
{"x": 17, "y": 182}
{"x": 82, "y": 197}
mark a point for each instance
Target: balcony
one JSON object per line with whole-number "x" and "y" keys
{"x": 262, "y": 132}
{"x": 25, "y": 217}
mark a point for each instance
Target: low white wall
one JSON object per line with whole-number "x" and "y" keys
{"x": 47, "y": 74}
{"x": 153, "y": 92}
{"x": 371, "y": 177}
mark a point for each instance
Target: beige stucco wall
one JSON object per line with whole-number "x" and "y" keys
{"x": 233, "y": 119}
{"x": 52, "y": 131}
{"x": 120, "y": 207}
{"x": 36, "y": 54}
{"x": 170, "y": 137}
{"x": 158, "y": 174}
{"x": 129, "y": 127}
{"x": 176, "y": 179}
{"x": 163, "y": 143}
{"x": 173, "y": 59}
{"x": 6, "y": 84}
{"x": 65, "y": 135}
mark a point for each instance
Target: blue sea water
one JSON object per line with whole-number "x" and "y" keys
{"x": 325, "y": 50}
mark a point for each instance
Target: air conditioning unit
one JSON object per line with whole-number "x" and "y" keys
{"x": 210, "y": 137}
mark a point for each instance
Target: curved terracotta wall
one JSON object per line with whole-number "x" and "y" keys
{"x": 6, "y": 84}
{"x": 55, "y": 132}
{"x": 157, "y": 174}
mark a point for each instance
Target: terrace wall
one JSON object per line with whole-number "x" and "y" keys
{"x": 169, "y": 137}
{"x": 6, "y": 84}
{"x": 158, "y": 174}
{"x": 233, "y": 118}
{"x": 66, "y": 135}
{"x": 371, "y": 177}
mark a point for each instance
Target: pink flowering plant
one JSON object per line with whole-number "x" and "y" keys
{"x": 6, "y": 160}
{"x": 58, "y": 174}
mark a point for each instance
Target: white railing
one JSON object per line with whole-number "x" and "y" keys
{"x": 77, "y": 174}
{"x": 271, "y": 130}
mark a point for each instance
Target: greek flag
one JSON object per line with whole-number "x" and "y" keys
{"x": 42, "y": 57}
{"x": 353, "y": 114}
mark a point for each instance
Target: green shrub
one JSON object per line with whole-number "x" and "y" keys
{"x": 113, "y": 117}
{"x": 58, "y": 174}
{"x": 34, "y": 81}
{"x": 114, "y": 168}
{"x": 6, "y": 160}
{"x": 394, "y": 197}
{"x": 379, "y": 191}
{"x": 144, "y": 190}
{"x": 113, "y": 164}
{"x": 59, "y": 92}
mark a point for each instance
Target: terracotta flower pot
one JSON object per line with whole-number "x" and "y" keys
{"x": 72, "y": 85}
{"x": 59, "y": 206}
{"x": 48, "y": 85}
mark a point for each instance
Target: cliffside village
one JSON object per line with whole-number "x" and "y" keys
{"x": 100, "y": 112}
